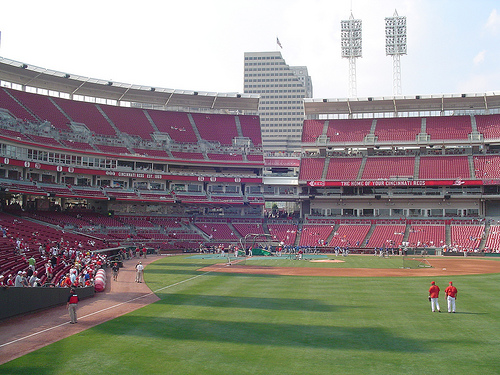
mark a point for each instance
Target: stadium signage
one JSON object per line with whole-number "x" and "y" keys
{"x": 404, "y": 183}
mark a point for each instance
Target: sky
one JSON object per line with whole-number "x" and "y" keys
{"x": 453, "y": 45}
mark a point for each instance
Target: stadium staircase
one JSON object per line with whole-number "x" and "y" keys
{"x": 325, "y": 128}
{"x": 369, "y": 234}
{"x": 407, "y": 233}
{"x": 447, "y": 232}
{"x": 361, "y": 168}
{"x": 472, "y": 170}
{"x": 417, "y": 167}
{"x": 482, "y": 243}
{"x": 330, "y": 236}
{"x": 325, "y": 168}
{"x": 300, "y": 226}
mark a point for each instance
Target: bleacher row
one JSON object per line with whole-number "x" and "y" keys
{"x": 401, "y": 167}
{"x": 113, "y": 121}
{"x": 403, "y": 129}
{"x": 354, "y": 233}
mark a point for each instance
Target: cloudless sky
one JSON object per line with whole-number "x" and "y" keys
{"x": 453, "y": 45}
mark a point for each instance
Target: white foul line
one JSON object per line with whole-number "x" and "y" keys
{"x": 102, "y": 310}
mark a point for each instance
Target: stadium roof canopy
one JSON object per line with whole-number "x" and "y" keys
{"x": 41, "y": 78}
{"x": 422, "y": 103}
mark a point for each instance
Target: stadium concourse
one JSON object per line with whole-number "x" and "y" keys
{"x": 23, "y": 334}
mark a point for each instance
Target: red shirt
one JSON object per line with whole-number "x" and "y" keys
{"x": 434, "y": 291}
{"x": 451, "y": 291}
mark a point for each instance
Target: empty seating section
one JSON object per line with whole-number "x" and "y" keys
{"x": 188, "y": 155}
{"x": 158, "y": 196}
{"x": 16, "y": 109}
{"x": 217, "y": 231}
{"x": 350, "y": 235}
{"x": 152, "y": 152}
{"x": 258, "y": 158}
{"x": 42, "y": 108}
{"x": 86, "y": 113}
{"x": 388, "y": 167}
{"x": 340, "y": 169}
{"x": 398, "y": 129}
{"x": 112, "y": 149}
{"x": 73, "y": 145}
{"x": 427, "y": 235}
{"x": 13, "y": 133}
{"x": 227, "y": 157}
{"x": 315, "y": 235}
{"x": 122, "y": 194}
{"x": 487, "y": 166}
{"x": 448, "y": 127}
{"x": 493, "y": 240}
{"x": 444, "y": 167}
{"x": 466, "y": 237}
{"x": 46, "y": 141}
{"x": 87, "y": 192}
{"x": 341, "y": 131}
{"x": 312, "y": 129}
{"x": 136, "y": 221}
{"x": 215, "y": 127}
{"x": 131, "y": 121}
{"x": 175, "y": 124}
{"x": 387, "y": 236}
{"x": 250, "y": 127}
{"x": 488, "y": 125}
{"x": 167, "y": 222}
{"x": 311, "y": 168}
{"x": 249, "y": 228}
{"x": 285, "y": 233}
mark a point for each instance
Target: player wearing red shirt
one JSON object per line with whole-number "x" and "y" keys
{"x": 451, "y": 296}
{"x": 433, "y": 296}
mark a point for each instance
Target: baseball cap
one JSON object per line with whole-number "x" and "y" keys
{"x": 433, "y": 282}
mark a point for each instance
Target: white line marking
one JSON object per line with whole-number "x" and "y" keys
{"x": 102, "y": 310}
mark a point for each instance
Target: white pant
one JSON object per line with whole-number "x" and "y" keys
{"x": 451, "y": 304}
{"x": 435, "y": 304}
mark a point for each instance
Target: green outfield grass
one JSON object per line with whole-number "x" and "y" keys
{"x": 212, "y": 323}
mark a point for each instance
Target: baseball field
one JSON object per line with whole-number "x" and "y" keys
{"x": 345, "y": 315}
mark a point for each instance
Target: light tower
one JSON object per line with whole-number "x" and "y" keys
{"x": 395, "y": 46}
{"x": 350, "y": 41}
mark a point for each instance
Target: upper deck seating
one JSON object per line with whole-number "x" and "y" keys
{"x": 46, "y": 141}
{"x": 74, "y": 145}
{"x": 188, "y": 155}
{"x": 215, "y": 127}
{"x": 16, "y": 109}
{"x": 312, "y": 129}
{"x": 86, "y": 113}
{"x": 348, "y": 130}
{"x": 131, "y": 121}
{"x": 488, "y": 125}
{"x": 448, "y": 127}
{"x": 388, "y": 167}
{"x": 398, "y": 128}
{"x": 444, "y": 167}
{"x": 14, "y": 134}
{"x": 43, "y": 108}
{"x": 175, "y": 124}
{"x": 152, "y": 153}
{"x": 250, "y": 127}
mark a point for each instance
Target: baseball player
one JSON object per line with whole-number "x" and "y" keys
{"x": 451, "y": 296}
{"x": 433, "y": 297}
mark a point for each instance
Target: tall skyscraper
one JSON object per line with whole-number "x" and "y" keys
{"x": 282, "y": 89}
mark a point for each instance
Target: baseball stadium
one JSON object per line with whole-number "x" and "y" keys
{"x": 312, "y": 260}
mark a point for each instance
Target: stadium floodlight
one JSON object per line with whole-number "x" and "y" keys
{"x": 395, "y": 46}
{"x": 351, "y": 46}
